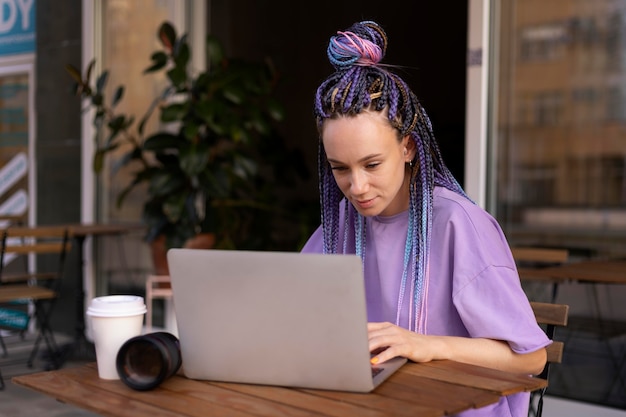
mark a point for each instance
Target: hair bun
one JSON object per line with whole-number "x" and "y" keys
{"x": 363, "y": 43}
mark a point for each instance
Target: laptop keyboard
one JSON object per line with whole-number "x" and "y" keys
{"x": 376, "y": 370}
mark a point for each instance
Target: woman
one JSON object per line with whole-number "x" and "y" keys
{"x": 440, "y": 280}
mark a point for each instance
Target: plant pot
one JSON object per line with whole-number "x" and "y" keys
{"x": 159, "y": 250}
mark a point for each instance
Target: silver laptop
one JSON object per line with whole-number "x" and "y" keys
{"x": 274, "y": 318}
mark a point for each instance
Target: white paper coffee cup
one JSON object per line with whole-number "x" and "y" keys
{"x": 114, "y": 320}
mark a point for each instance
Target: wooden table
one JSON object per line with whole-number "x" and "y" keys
{"x": 592, "y": 272}
{"x": 416, "y": 390}
{"x": 611, "y": 271}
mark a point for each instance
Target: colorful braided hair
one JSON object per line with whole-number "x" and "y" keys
{"x": 360, "y": 84}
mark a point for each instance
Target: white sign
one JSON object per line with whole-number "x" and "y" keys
{"x": 13, "y": 171}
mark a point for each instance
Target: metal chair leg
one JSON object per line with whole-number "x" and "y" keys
{"x": 5, "y": 353}
{"x": 45, "y": 334}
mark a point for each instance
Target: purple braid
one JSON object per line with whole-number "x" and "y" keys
{"x": 361, "y": 84}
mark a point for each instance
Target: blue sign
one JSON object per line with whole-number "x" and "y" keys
{"x": 17, "y": 27}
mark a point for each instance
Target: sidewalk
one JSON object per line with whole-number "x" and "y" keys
{"x": 17, "y": 401}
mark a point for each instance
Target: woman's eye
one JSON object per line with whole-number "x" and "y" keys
{"x": 372, "y": 165}
{"x": 337, "y": 168}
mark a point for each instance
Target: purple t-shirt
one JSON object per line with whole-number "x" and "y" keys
{"x": 472, "y": 287}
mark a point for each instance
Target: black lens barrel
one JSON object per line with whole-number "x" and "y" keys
{"x": 143, "y": 362}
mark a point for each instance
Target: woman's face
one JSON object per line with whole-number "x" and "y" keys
{"x": 369, "y": 163}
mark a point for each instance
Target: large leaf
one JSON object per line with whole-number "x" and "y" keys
{"x": 182, "y": 53}
{"x": 162, "y": 141}
{"x": 178, "y": 76}
{"x": 214, "y": 51}
{"x": 167, "y": 35}
{"x": 159, "y": 61}
{"x": 164, "y": 183}
{"x": 174, "y": 206}
{"x": 173, "y": 112}
{"x": 194, "y": 158}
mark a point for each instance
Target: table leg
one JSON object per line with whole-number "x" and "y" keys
{"x": 80, "y": 348}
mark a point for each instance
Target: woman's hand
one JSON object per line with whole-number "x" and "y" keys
{"x": 389, "y": 341}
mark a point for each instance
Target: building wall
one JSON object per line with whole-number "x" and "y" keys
{"x": 57, "y": 127}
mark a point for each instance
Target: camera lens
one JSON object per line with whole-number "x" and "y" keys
{"x": 143, "y": 362}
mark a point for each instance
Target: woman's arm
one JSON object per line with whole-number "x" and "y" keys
{"x": 476, "y": 351}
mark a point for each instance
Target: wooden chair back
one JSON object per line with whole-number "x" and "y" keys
{"x": 35, "y": 278}
{"x": 7, "y": 220}
{"x": 549, "y": 316}
{"x": 38, "y": 242}
{"x": 552, "y": 315}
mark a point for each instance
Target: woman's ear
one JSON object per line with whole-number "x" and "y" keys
{"x": 409, "y": 148}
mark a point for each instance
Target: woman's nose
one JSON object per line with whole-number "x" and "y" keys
{"x": 358, "y": 183}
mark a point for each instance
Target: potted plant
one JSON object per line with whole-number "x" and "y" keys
{"x": 213, "y": 166}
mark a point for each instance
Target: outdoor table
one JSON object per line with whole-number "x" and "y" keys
{"x": 417, "y": 390}
{"x": 592, "y": 272}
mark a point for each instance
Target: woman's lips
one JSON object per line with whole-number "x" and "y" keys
{"x": 365, "y": 204}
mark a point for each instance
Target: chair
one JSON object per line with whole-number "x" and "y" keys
{"x": 549, "y": 316}
{"x": 531, "y": 260}
{"x": 157, "y": 286}
{"x": 31, "y": 267}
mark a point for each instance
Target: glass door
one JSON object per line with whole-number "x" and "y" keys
{"x": 560, "y": 124}
{"x": 557, "y": 177}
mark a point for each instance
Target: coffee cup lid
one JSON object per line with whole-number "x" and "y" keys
{"x": 116, "y": 306}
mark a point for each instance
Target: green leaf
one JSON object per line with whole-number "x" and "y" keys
{"x": 101, "y": 82}
{"x": 181, "y": 53}
{"x": 190, "y": 130}
{"x": 245, "y": 167}
{"x": 164, "y": 183}
{"x": 240, "y": 135}
{"x": 159, "y": 60}
{"x": 98, "y": 160}
{"x": 178, "y": 76}
{"x": 214, "y": 51}
{"x": 74, "y": 73}
{"x": 194, "y": 158}
{"x": 161, "y": 142}
{"x": 259, "y": 123}
{"x": 90, "y": 68}
{"x": 173, "y": 112}
{"x": 167, "y": 35}
{"x": 117, "y": 96}
{"x": 97, "y": 99}
{"x": 174, "y": 207}
{"x": 234, "y": 94}
{"x": 117, "y": 123}
{"x": 275, "y": 109}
